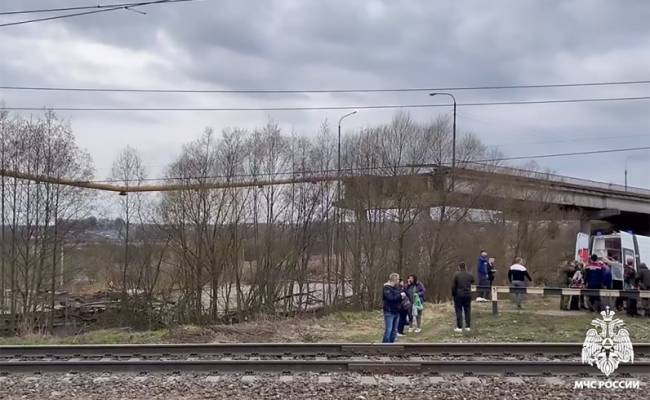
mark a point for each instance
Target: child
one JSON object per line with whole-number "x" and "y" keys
{"x": 415, "y": 312}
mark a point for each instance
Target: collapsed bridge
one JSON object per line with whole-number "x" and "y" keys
{"x": 502, "y": 189}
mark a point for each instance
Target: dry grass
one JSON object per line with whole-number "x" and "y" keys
{"x": 540, "y": 320}
{"x": 92, "y": 337}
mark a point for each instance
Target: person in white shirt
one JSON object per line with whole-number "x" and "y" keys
{"x": 517, "y": 276}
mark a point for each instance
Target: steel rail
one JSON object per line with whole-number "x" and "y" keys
{"x": 298, "y": 349}
{"x": 465, "y": 367}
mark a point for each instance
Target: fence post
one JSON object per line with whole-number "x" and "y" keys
{"x": 495, "y": 308}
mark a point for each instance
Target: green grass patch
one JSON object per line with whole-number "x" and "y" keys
{"x": 540, "y": 320}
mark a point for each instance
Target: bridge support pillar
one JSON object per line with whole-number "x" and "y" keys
{"x": 585, "y": 225}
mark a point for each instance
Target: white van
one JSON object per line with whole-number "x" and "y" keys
{"x": 622, "y": 245}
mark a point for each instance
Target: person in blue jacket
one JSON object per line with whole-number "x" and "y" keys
{"x": 483, "y": 269}
{"x": 594, "y": 279}
{"x": 392, "y": 299}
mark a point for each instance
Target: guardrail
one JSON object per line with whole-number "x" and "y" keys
{"x": 556, "y": 291}
{"x": 551, "y": 177}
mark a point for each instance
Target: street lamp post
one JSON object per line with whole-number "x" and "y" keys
{"x": 338, "y": 200}
{"x": 453, "y": 144}
{"x": 338, "y": 162}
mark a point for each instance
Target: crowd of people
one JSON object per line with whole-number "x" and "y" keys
{"x": 404, "y": 301}
{"x": 605, "y": 273}
{"x": 403, "y": 305}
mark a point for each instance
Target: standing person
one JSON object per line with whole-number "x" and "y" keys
{"x": 461, "y": 292}
{"x": 594, "y": 277}
{"x": 630, "y": 283}
{"x": 483, "y": 277}
{"x": 517, "y": 276}
{"x": 643, "y": 279}
{"x": 392, "y": 298}
{"x": 492, "y": 271}
{"x": 565, "y": 279}
{"x": 416, "y": 312}
{"x": 577, "y": 282}
{"x": 607, "y": 283}
{"x": 415, "y": 290}
{"x": 616, "y": 269}
{"x": 405, "y": 317}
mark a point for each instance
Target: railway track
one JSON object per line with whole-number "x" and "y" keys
{"x": 509, "y": 359}
{"x": 305, "y": 349}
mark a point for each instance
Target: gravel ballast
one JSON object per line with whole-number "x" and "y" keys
{"x": 299, "y": 386}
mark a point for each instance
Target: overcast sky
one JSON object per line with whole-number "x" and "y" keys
{"x": 316, "y": 44}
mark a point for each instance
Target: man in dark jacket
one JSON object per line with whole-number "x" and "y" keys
{"x": 630, "y": 282}
{"x": 482, "y": 273}
{"x": 643, "y": 279}
{"x": 405, "y": 317}
{"x": 594, "y": 277}
{"x": 492, "y": 272}
{"x": 461, "y": 292}
{"x": 392, "y": 298}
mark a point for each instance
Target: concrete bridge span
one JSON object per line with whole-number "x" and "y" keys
{"x": 502, "y": 189}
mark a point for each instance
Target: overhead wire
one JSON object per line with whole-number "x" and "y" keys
{"x": 314, "y": 91}
{"x": 93, "y": 10}
{"x": 324, "y": 108}
{"x": 29, "y": 21}
{"x": 577, "y": 139}
{"x": 98, "y": 6}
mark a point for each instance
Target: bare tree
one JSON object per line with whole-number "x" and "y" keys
{"x": 235, "y": 252}
{"x": 39, "y": 212}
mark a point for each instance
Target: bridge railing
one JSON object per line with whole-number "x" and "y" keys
{"x": 556, "y": 178}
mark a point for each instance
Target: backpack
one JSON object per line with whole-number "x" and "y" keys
{"x": 417, "y": 303}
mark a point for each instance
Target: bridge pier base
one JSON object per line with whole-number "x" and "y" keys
{"x": 585, "y": 225}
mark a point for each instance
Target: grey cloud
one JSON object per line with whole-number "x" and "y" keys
{"x": 329, "y": 44}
